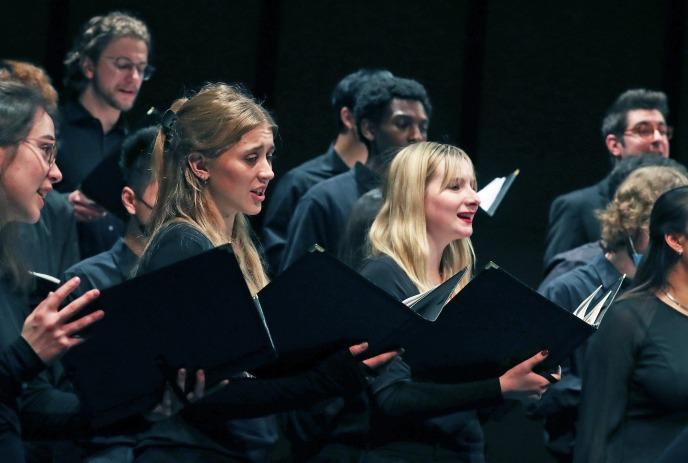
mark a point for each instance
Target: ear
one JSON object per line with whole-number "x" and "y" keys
{"x": 88, "y": 67}
{"x": 614, "y": 145}
{"x": 347, "y": 118}
{"x": 129, "y": 200}
{"x": 198, "y": 165}
{"x": 675, "y": 242}
{"x": 367, "y": 130}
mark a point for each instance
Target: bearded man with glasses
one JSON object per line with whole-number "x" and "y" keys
{"x": 104, "y": 73}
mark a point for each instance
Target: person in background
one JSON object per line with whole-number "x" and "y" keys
{"x": 390, "y": 113}
{"x": 345, "y": 151}
{"x": 635, "y": 372}
{"x": 634, "y": 125}
{"x": 104, "y": 72}
{"x": 625, "y": 224}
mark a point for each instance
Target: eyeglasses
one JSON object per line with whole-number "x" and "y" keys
{"x": 647, "y": 130}
{"x": 143, "y": 201}
{"x": 124, "y": 64}
{"x": 47, "y": 150}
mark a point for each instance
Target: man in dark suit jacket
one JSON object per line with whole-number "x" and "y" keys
{"x": 634, "y": 124}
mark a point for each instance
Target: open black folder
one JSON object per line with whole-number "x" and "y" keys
{"x": 197, "y": 313}
{"x": 494, "y": 323}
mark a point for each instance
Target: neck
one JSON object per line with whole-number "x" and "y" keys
{"x": 229, "y": 225}
{"x": 435, "y": 251}
{"x": 375, "y": 162}
{"x": 622, "y": 262}
{"x": 134, "y": 238}
{"x": 677, "y": 284}
{"x": 350, "y": 148}
{"x": 106, "y": 114}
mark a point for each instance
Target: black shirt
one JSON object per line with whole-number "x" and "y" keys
{"x": 103, "y": 270}
{"x": 285, "y": 195}
{"x": 417, "y": 411}
{"x": 321, "y": 215}
{"x": 82, "y": 146}
{"x": 18, "y": 363}
{"x": 353, "y": 246}
{"x": 572, "y": 219}
{"x": 204, "y": 424}
{"x": 635, "y": 383}
{"x": 51, "y": 245}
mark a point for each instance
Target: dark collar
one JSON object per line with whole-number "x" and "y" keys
{"x": 74, "y": 113}
{"x": 366, "y": 178}
{"x": 607, "y": 272}
{"x": 124, "y": 258}
{"x": 334, "y": 160}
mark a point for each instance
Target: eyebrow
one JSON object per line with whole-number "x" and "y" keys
{"x": 257, "y": 147}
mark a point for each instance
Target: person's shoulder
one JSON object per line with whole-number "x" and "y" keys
{"x": 331, "y": 187}
{"x": 89, "y": 265}
{"x": 570, "y": 288}
{"x": 380, "y": 264}
{"x": 182, "y": 233}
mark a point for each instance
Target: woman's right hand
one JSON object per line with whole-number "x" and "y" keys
{"x": 50, "y": 331}
{"x": 521, "y": 383}
{"x": 372, "y": 362}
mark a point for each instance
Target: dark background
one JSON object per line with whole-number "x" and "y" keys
{"x": 515, "y": 83}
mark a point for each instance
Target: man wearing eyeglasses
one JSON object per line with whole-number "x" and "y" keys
{"x": 104, "y": 73}
{"x": 635, "y": 124}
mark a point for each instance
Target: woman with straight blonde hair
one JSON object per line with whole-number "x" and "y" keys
{"x": 420, "y": 238}
{"x": 213, "y": 156}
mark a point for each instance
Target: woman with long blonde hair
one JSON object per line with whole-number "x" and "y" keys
{"x": 214, "y": 163}
{"x": 420, "y": 238}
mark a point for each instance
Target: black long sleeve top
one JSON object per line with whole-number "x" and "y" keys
{"x": 341, "y": 374}
{"x": 635, "y": 383}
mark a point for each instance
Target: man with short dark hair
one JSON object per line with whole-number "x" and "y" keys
{"x": 342, "y": 154}
{"x": 635, "y": 124}
{"x": 390, "y": 113}
{"x": 104, "y": 73}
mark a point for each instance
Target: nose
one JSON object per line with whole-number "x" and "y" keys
{"x": 266, "y": 173}
{"x": 54, "y": 174}
{"x": 416, "y": 134}
{"x": 474, "y": 199}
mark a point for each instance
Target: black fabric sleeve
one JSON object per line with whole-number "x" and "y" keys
{"x": 609, "y": 363}
{"x": 177, "y": 242}
{"x": 396, "y": 395}
{"x": 338, "y": 375}
{"x": 18, "y": 363}
{"x": 387, "y": 275}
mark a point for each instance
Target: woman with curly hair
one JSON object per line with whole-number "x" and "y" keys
{"x": 634, "y": 401}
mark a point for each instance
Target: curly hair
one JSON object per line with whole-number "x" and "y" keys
{"x": 32, "y": 76}
{"x": 95, "y": 35}
{"x": 629, "y": 211}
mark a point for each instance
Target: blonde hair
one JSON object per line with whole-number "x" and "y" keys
{"x": 629, "y": 211}
{"x": 209, "y": 123}
{"x": 400, "y": 229}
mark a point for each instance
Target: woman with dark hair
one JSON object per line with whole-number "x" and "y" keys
{"x": 635, "y": 382}
{"x": 27, "y": 173}
{"x": 214, "y": 163}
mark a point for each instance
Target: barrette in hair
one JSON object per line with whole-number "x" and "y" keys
{"x": 169, "y": 119}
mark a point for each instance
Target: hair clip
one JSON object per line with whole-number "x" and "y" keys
{"x": 168, "y": 121}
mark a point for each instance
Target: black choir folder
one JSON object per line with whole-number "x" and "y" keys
{"x": 192, "y": 314}
{"x": 199, "y": 313}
